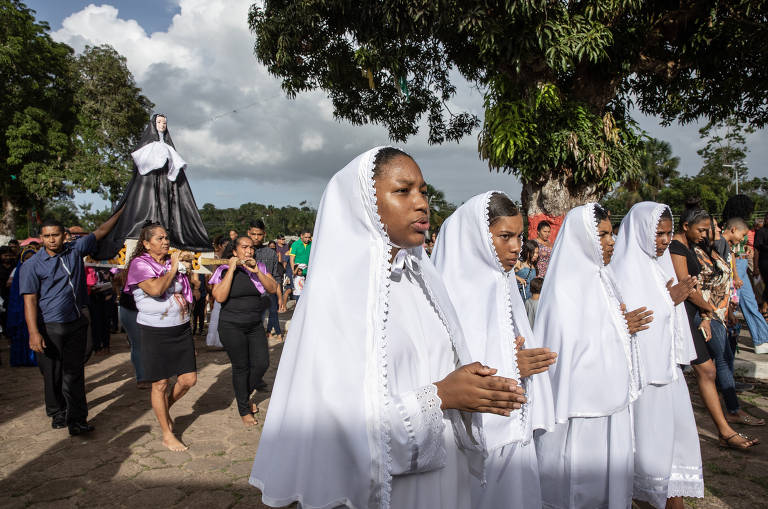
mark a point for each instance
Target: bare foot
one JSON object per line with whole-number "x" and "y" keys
{"x": 254, "y": 408}
{"x": 249, "y": 420}
{"x": 170, "y": 422}
{"x": 173, "y": 443}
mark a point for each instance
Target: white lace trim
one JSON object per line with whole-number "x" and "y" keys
{"x": 678, "y": 337}
{"x": 656, "y": 216}
{"x": 431, "y": 425}
{"x": 509, "y": 348}
{"x": 684, "y": 481}
{"x": 628, "y": 343}
{"x": 381, "y": 474}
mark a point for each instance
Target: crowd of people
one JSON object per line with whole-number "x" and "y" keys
{"x": 492, "y": 371}
{"x": 157, "y": 300}
{"x": 502, "y": 372}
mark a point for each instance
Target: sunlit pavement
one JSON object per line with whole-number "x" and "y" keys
{"x": 123, "y": 463}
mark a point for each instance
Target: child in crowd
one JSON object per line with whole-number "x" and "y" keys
{"x": 299, "y": 275}
{"x": 532, "y": 304}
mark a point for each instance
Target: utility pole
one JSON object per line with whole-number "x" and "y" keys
{"x": 735, "y": 174}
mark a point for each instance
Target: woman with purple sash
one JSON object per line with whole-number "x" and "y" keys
{"x": 163, "y": 296}
{"x": 241, "y": 287}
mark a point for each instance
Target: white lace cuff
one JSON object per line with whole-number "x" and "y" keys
{"x": 416, "y": 424}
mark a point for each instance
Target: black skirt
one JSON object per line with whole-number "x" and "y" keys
{"x": 166, "y": 351}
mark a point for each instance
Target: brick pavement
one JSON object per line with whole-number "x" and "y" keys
{"x": 123, "y": 464}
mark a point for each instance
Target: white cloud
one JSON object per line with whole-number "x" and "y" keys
{"x": 312, "y": 143}
{"x": 202, "y": 68}
{"x": 271, "y": 149}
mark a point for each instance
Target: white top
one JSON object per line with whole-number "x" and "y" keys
{"x": 167, "y": 311}
{"x": 579, "y": 317}
{"x": 640, "y": 278}
{"x": 419, "y": 352}
{"x": 153, "y": 157}
{"x": 492, "y": 315}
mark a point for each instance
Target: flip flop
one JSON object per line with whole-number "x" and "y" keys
{"x": 747, "y": 420}
{"x": 739, "y": 446}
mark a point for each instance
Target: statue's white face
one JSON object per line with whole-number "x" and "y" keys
{"x": 161, "y": 123}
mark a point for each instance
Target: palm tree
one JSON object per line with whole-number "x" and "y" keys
{"x": 657, "y": 168}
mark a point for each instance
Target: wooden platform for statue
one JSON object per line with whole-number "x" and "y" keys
{"x": 200, "y": 263}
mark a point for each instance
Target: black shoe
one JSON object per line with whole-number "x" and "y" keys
{"x": 59, "y": 422}
{"x": 741, "y": 387}
{"x": 78, "y": 428}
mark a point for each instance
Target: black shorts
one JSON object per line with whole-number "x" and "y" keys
{"x": 702, "y": 352}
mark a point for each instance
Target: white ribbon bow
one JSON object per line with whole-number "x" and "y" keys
{"x": 404, "y": 259}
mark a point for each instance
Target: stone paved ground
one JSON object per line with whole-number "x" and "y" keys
{"x": 123, "y": 464}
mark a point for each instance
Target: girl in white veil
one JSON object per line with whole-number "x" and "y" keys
{"x": 475, "y": 253}
{"x": 668, "y": 458}
{"x": 365, "y": 407}
{"x": 587, "y": 461}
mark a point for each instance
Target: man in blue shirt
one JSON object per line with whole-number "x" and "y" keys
{"x": 53, "y": 285}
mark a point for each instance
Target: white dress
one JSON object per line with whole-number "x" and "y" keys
{"x": 579, "y": 468}
{"x": 511, "y": 473}
{"x": 587, "y": 461}
{"x": 668, "y": 457}
{"x": 428, "y": 468}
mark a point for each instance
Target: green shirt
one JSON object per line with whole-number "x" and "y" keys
{"x": 300, "y": 251}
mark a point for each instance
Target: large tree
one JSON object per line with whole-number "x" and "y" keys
{"x": 112, "y": 113}
{"x": 67, "y": 123}
{"x": 559, "y": 78}
{"x": 657, "y": 167}
{"x": 37, "y": 114}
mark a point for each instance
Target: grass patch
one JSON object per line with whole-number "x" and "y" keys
{"x": 715, "y": 468}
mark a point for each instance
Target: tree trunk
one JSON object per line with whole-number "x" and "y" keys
{"x": 552, "y": 199}
{"x": 8, "y": 219}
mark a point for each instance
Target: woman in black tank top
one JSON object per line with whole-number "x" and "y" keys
{"x": 693, "y": 227}
{"x": 242, "y": 287}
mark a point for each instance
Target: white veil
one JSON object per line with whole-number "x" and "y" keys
{"x": 579, "y": 318}
{"x": 326, "y": 441}
{"x": 640, "y": 278}
{"x": 492, "y": 315}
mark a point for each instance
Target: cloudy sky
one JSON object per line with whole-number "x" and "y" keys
{"x": 243, "y": 139}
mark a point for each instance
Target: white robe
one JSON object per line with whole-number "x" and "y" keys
{"x": 587, "y": 461}
{"x": 153, "y": 156}
{"x": 428, "y": 469}
{"x": 354, "y": 417}
{"x": 668, "y": 457}
{"x": 492, "y": 315}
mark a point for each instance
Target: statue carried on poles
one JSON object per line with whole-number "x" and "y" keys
{"x": 159, "y": 192}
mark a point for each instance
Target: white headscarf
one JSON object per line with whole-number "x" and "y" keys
{"x": 492, "y": 315}
{"x": 326, "y": 441}
{"x": 640, "y": 278}
{"x": 580, "y": 318}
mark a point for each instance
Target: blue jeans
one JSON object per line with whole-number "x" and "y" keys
{"x": 722, "y": 356}
{"x": 128, "y": 319}
{"x": 758, "y": 328}
{"x": 274, "y": 319}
